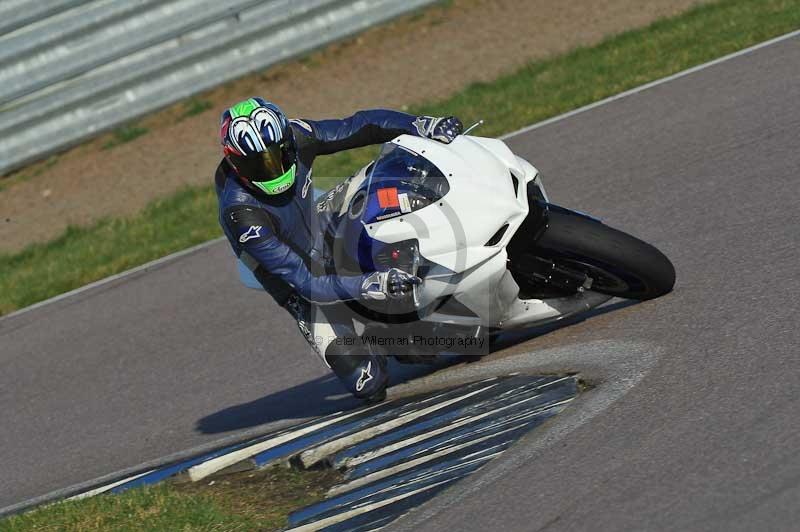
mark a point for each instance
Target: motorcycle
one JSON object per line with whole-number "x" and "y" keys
{"x": 473, "y": 221}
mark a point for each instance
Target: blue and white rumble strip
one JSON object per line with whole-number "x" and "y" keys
{"x": 394, "y": 455}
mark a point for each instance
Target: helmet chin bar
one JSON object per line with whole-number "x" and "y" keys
{"x": 270, "y": 187}
{"x": 278, "y": 185}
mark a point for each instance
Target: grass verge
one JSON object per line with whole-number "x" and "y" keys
{"x": 538, "y": 91}
{"x": 124, "y": 134}
{"x": 29, "y": 173}
{"x": 255, "y": 500}
{"x": 194, "y": 106}
{"x": 84, "y": 254}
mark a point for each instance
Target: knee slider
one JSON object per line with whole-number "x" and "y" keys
{"x": 362, "y": 373}
{"x": 343, "y": 358}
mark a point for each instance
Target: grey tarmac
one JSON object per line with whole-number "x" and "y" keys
{"x": 696, "y": 429}
{"x": 705, "y": 167}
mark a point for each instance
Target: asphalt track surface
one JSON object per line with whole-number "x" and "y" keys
{"x": 705, "y": 437}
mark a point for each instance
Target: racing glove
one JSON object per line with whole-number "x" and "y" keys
{"x": 393, "y": 283}
{"x": 444, "y": 129}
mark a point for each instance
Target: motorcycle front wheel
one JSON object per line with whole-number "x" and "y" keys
{"x": 619, "y": 264}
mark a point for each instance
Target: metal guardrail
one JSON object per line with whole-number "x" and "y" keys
{"x": 70, "y": 69}
{"x": 18, "y": 13}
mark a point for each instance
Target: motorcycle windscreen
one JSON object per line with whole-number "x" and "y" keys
{"x": 399, "y": 182}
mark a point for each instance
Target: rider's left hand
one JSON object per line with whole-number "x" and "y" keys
{"x": 444, "y": 129}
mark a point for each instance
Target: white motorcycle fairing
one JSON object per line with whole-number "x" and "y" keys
{"x": 463, "y": 237}
{"x": 465, "y": 234}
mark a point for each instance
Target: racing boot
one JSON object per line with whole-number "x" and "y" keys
{"x": 363, "y": 374}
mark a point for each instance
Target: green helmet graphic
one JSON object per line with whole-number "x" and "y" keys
{"x": 257, "y": 141}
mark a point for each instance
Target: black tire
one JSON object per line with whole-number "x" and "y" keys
{"x": 620, "y": 264}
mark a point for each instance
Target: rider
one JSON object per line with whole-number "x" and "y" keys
{"x": 267, "y": 212}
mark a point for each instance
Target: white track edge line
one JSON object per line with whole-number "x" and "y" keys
{"x": 202, "y": 470}
{"x": 505, "y": 136}
{"x": 413, "y": 463}
{"x": 401, "y": 444}
{"x": 115, "y": 277}
{"x": 316, "y": 454}
{"x": 107, "y": 487}
{"x": 652, "y": 84}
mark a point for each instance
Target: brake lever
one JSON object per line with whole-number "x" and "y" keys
{"x": 414, "y": 270}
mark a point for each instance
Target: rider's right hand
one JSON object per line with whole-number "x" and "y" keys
{"x": 393, "y": 283}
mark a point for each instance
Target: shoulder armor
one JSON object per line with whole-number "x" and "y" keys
{"x": 249, "y": 224}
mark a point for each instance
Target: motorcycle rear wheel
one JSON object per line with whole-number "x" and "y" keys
{"x": 619, "y": 264}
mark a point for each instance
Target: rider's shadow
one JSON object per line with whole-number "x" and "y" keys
{"x": 314, "y": 398}
{"x": 325, "y": 395}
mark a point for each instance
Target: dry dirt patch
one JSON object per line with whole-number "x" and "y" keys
{"x": 420, "y": 57}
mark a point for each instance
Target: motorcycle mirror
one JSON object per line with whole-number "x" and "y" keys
{"x": 473, "y": 126}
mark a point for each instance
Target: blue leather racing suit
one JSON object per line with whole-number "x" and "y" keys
{"x": 281, "y": 238}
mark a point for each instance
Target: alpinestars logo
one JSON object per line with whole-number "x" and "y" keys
{"x": 365, "y": 377}
{"x": 253, "y": 232}
{"x": 307, "y": 184}
{"x": 424, "y": 125}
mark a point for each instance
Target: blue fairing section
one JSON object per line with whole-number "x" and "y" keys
{"x": 554, "y": 207}
{"x": 374, "y": 212}
{"x": 365, "y": 252}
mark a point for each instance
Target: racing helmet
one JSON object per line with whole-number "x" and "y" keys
{"x": 257, "y": 141}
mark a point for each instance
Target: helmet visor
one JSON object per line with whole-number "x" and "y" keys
{"x": 268, "y": 170}
{"x": 261, "y": 166}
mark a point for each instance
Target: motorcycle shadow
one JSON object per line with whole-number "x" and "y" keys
{"x": 317, "y": 397}
{"x": 325, "y": 395}
{"x": 512, "y": 338}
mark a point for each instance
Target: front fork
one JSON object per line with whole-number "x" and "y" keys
{"x": 539, "y": 267}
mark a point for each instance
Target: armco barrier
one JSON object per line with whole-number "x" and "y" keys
{"x": 70, "y": 69}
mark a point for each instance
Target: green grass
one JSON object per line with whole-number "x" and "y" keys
{"x": 259, "y": 500}
{"x": 34, "y": 170}
{"x": 84, "y": 254}
{"x": 538, "y": 91}
{"x": 124, "y": 134}
{"x": 194, "y": 106}
{"x": 157, "y": 508}
{"x": 547, "y": 88}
